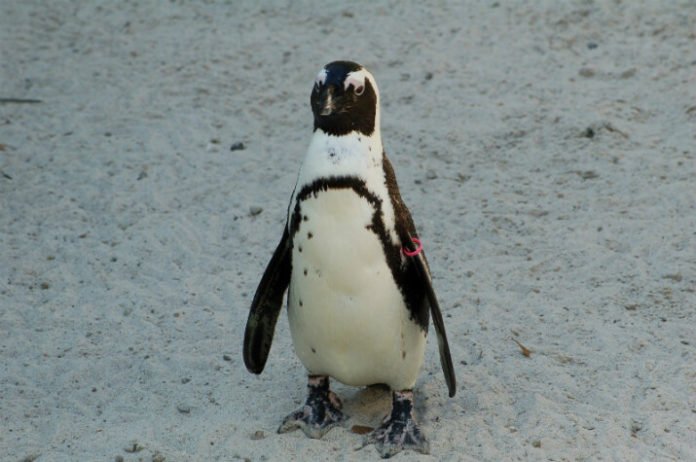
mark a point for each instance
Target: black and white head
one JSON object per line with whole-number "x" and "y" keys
{"x": 345, "y": 99}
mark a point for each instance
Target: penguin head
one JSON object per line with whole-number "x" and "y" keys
{"x": 345, "y": 99}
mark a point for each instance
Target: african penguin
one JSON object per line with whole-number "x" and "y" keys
{"x": 359, "y": 286}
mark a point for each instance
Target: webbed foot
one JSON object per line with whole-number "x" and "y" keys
{"x": 399, "y": 430}
{"x": 320, "y": 413}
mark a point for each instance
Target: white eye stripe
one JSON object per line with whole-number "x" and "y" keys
{"x": 357, "y": 79}
{"x": 321, "y": 77}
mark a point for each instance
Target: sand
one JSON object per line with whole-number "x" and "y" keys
{"x": 547, "y": 153}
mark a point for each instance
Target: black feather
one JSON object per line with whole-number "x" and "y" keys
{"x": 266, "y": 306}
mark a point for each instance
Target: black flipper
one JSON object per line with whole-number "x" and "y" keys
{"x": 266, "y": 306}
{"x": 419, "y": 287}
{"x": 445, "y": 358}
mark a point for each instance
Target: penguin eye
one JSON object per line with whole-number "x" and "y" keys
{"x": 357, "y": 81}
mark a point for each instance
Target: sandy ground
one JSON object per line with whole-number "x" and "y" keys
{"x": 547, "y": 151}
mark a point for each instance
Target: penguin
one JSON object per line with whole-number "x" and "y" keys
{"x": 359, "y": 290}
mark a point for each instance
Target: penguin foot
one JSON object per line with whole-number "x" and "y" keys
{"x": 399, "y": 430}
{"x": 320, "y": 413}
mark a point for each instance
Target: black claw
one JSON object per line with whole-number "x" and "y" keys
{"x": 320, "y": 413}
{"x": 399, "y": 430}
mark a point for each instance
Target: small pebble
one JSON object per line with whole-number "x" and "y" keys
{"x": 183, "y": 408}
{"x": 628, "y": 73}
{"x": 227, "y": 357}
{"x": 588, "y": 133}
{"x": 587, "y": 72}
{"x": 237, "y": 147}
{"x": 134, "y": 447}
{"x": 255, "y": 210}
{"x": 258, "y": 435}
{"x": 361, "y": 429}
{"x": 677, "y": 277}
{"x": 588, "y": 175}
{"x": 431, "y": 174}
{"x": 536, "y": 443}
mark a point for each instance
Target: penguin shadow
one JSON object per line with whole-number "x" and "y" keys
{"x": 367, "y": 407}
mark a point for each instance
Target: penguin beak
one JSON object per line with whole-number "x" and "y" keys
{"x": 327, "y": 103}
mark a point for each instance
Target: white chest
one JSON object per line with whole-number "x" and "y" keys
{"x": 335, "y": 244}
{"x": 347, "y": 315}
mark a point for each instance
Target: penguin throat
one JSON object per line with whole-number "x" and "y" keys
{"x": 353, "y": 153}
